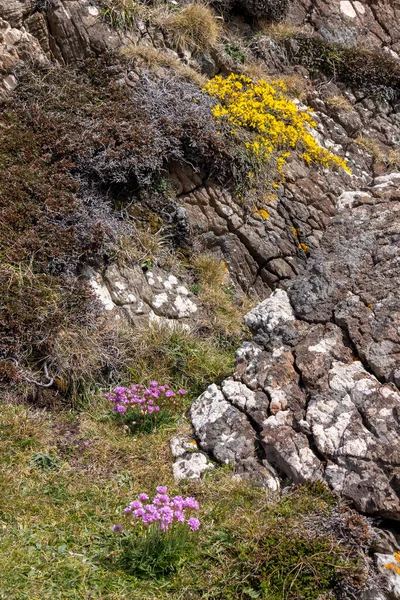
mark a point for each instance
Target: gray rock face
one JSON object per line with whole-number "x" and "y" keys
{"x": 326, "y": 359}
{"x": 221, "y": 428}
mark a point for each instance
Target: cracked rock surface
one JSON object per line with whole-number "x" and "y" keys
{"x": 315, "y": 394}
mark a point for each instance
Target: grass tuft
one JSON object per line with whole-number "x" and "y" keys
{"x": 194, "y": 28}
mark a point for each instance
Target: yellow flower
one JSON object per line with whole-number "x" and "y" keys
{"x": 276, "y": 123}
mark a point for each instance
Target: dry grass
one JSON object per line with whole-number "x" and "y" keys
{"x": 225, "y": 310}
{"x": 389, "y": 159}
{"x": 194, "y": 28}
{"x": 340, "y": 103}
{"x": 297, "y": 86}
{"x": 281, "y": 30}
{"x": 151, "y": 57}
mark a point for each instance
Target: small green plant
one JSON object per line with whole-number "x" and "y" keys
{"x": 45, "y": 462}
{"x": 120, "y": 14}
{"x": 234, "y": 52}
{"x": 156, "y": 541}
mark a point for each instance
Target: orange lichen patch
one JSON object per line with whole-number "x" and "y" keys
{"x": 261, "y": 212}
{"x": 394, "y": 566}
{"x": 303, "y": 247}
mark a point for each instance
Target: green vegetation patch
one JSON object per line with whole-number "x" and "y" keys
{"x": 56, "y": 540}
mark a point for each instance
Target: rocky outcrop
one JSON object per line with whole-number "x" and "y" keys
{"x": 317, "y": 389}
{"x": 351, "y": 22}
{"x": 64, "y": 30}
{"x": 16, "y": 45}
{"x": 142, "y": 295}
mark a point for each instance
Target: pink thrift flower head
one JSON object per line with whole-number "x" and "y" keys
{"x": 177, "y": 502}
{"x": 150, "y": 409}
{"x": 116, "y": 528}
{"x": 161, "y": 499}
{"x": 162, "y": 489}
{"x": 120, "y": 409}
{"x": 139, "y": 512}
{"x": 154, "y": 383}
{"x": 156, "y": 408}
{"x": 143, "y": 497}
{"x": 135, "y": 504}
{"x": 179, "y": 516}
{"x": 193, "y": 523}
{"x": 191, "y": 503}
{"x": 128, "y": 510}
{"x": 147, "y": 518}
{"x": 169, "y": 394}
{"x": 182, "y": 391}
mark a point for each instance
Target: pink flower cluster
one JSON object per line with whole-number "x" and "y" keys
{"x": 137, "y": 396}
{"x": 163, "y": 510}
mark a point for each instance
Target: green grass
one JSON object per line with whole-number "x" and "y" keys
{"x": 55, "y": 523}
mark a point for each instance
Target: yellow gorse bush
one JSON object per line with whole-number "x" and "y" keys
{"x": 278, "y": 125}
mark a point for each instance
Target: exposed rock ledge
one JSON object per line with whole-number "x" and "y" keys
{"x": 315, "y": 394}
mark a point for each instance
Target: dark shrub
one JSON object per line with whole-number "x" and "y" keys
{"x": 77, "y": 146}
{"x": 271, "y": 10}
{"x": 370, "y": 69}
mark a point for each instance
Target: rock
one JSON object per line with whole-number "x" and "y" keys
{"x": 290, "y": 454}
{"x": 388, "y": 564}
{"x": 182, "y": 444}
{"x": 155, "y": 295}
{"x": 191, "y": 466}
{"x": 254, "y": 404}
{"x": 221, "y": 428}
{"x": 268, "y": 314}
{"x": 65, "y": 30}
{"x": 16, "y": 46}
{"x": 333, "y": 409}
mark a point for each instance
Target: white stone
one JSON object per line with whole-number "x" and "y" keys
{"x": 173, "y": 280}
{"x": 348, "y": 199}
{"x": 180, "y": 444}
{"x": 324, "y": 346}
{"x": 150, "y": 278}
{"x": 278, "y": 399}
{"x": 347, "y": 9}
{"x": 192, "y": 466}
{"x": 239, "y": 394}
{"x": 209, "y": 407}
{"x": 273, "y": 311}
{"x": 159, "y": 300}
{"x": 359, "y": 7}
{"x": 283, "y": 417}
{"x": 182, "y": 290}
{"x": 391, "y": 178}
{"x": 132, "y": 298}
{"x": 342, "y": 377}
{"x": 93, "y": 10}
{"x": 119, "y": 285}
{"x": 184, "y": 306}
{"x": 102, "y": 293}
